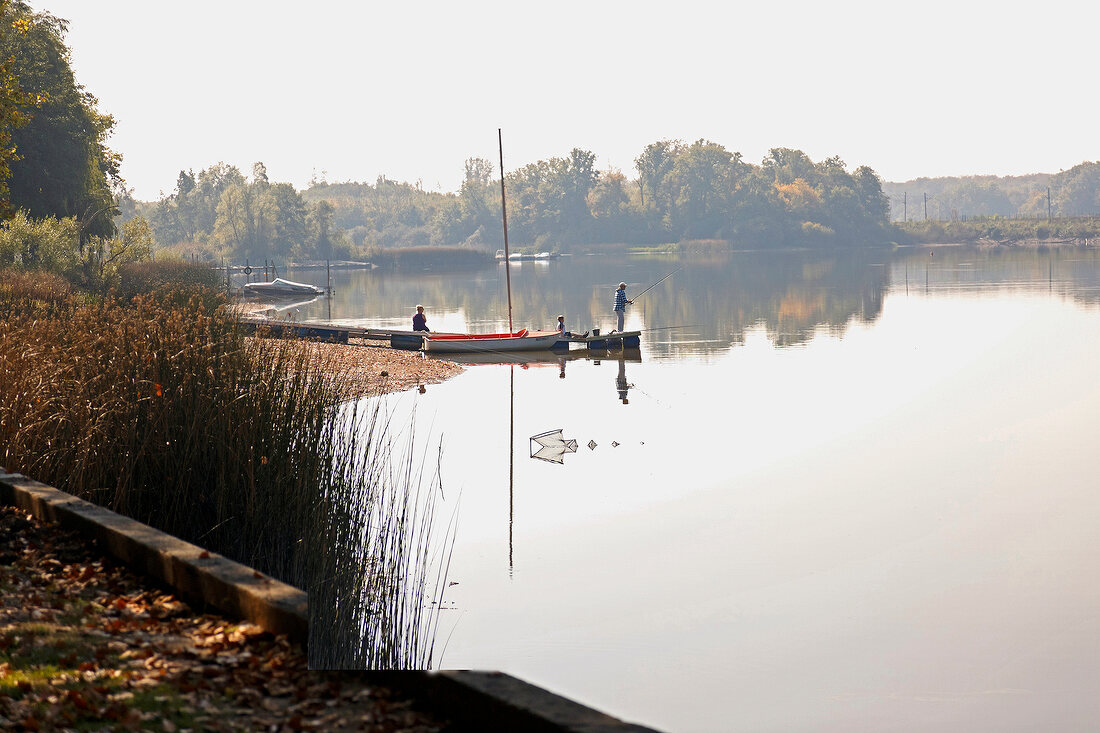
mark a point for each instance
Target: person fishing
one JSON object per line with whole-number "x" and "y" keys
{"x": 420, "y": 321}
{"x": 621, "y": 302}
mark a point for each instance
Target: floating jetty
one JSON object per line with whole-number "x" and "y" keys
{"x": 414, "y": 340}
{"x": 597, "y": 340}
{"x": 298, "y": 329}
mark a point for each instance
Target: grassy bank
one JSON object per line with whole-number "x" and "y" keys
{"x": 431, "y": 258}
{"x": 1000, "y": 230}
{"x": 161, "y": 409}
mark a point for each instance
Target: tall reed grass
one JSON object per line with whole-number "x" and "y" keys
{"x": 161, "y": 409}
{"x": 374, "y": 567}
{"x": 432, "y": 257}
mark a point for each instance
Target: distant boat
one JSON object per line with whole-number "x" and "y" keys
{"x": 522, "y": 340}
{"x": 525, "y": 257}
{"x": 280, "y": 288}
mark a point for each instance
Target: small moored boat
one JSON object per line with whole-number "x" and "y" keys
{"x": 280, "y": 288}
{"x": 522, "y": 340}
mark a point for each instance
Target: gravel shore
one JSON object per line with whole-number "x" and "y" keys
{"x": 366, "y": 368}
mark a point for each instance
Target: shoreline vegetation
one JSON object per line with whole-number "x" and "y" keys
{"x": 160, "y": 408}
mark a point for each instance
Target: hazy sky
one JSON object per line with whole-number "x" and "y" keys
{"x": 352, "y": 90}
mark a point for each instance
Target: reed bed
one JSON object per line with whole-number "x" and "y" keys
{"x": 374, "y": 567}
{"x": 161, "y": 409}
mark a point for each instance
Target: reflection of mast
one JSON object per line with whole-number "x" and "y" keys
{"x": 511, "y": 453}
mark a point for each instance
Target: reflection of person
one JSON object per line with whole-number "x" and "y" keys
{"x": 620, "y": 305}
{"x": 420, "y": 322}
{"x": 620, "y": 382}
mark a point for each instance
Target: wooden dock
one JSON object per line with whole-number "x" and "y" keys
{"x": 414, "y": 340}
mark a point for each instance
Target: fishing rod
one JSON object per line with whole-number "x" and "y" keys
{"x": 669, "y": 328}
{"x": 666, "y": 277}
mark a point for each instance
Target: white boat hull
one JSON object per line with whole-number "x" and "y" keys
{"x": 280, "y": 288}
{"x": 528, "y": 341}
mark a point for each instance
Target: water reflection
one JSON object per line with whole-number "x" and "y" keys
{"x": 711, "y": 302}
{"x": 872, "y": 538}
{"x": 621, "y": 385}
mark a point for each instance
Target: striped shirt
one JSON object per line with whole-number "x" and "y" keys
{"x": 620, "y": 300}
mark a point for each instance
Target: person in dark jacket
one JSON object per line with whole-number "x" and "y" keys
{"x": 420, "y": 321}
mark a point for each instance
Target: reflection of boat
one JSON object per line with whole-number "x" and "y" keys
{"x": 280, "y": 288}
{"x": 540, "y": 358}
{"x": 522, "y": 340}
{"x": 282, "y": 306}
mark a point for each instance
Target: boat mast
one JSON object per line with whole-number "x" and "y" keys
{"x": 504, "y": 215}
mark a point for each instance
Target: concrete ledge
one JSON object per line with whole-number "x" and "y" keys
{"x": 494, "y": 702}
{"x": 196, "y": 573}
{"x": 487, "y": 702}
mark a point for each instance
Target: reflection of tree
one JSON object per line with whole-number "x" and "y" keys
{"x": 791, "y": 295}
{"x": 1071, "y": 271}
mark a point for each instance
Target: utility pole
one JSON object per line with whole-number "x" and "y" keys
{"x": 905, "y": 207}
{"x": 1049, "y": 216}
{"x": 926, "y": 207}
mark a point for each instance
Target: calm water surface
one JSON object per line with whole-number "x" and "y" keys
{"x": 853, "y": 492}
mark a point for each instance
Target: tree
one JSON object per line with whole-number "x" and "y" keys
{"x": 1077, "y": 191}
{"x": 65, "y": 167}
{"x": 653, "y": 166}
{"x": 609, "y": 203}
{"x": 321, "y": 229}
{"x": 246, "y": 220}
{"x": 786, "y": 165}
{"x": 45, "y": 244}
{"x": 15, "y": 104}
{"x": 703, "y": 180}
{"x": 290, "y": 214}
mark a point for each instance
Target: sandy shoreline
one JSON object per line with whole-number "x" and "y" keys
{"x": 367, "y": 367}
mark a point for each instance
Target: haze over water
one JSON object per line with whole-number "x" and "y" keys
{"x": 850, "y": 492}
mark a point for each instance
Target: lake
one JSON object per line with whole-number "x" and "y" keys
{"x": 851, "y": 491}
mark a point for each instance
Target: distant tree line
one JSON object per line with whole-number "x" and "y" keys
{"x": 1070, "y": 193}
{"x": 683, "y": 191}
{"x": 221, "y": 213}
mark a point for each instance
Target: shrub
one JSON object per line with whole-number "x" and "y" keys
{"x": 46, "y": 244}
{"x": 139, "y": 278}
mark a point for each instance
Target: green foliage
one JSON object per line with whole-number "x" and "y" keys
{"x": 222, "y": 214}
{"x": 64, "y": 167}
{"x": 1001, "y": 230}
{"x": 15, "y": 104}
{"x": 684, "y": 191}
{"x": 46, "y": 244}
{"x": 1077, "y": 191}
{"x": 1071, "y": 193}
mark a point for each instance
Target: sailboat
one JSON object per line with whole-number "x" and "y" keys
{"x": 521, "y": 340}
{"x": 513, "y": 340}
